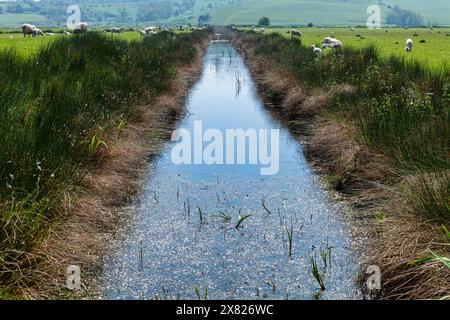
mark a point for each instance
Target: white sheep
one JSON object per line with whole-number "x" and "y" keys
{"x": 316, "y": 50}
{"x": 37, "y": 32}
{"x": 296, "y": 33}
{"x": 50, "y": 34}
{"x": 333, "y": 43}
{"x": 67, "y": 33}
{"x": 149, "y": 29}
{"x": 409, "y": 45}
{"x": 117, "y": 30}
{"x": 147, "y": 34}
{"x": 80, "y": 27}
{"x": 28, "y": 29}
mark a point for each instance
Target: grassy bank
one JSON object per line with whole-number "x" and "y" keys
{"x": 431, "y": 46}
{"x": 60, "y": 112}
{"x": 380, "y": 129}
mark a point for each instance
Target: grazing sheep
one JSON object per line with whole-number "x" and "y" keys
{"x": 296, "y": 33}
{"x": 50, "y": 34}
{"x": 80, "y": 28}
{"x": 117, "y": 30}
{"x": 28, "y": 29}
{"x": 11, "y": 37}
{"x": 147, "y": 34}
{"x": 66, "y": 32}
{"x": 409, "y": 45}
{"x": 37, "y": 32}
{"x": 149, "y": 29}
{"x": 316, "y": 50}
{"x": 333, "y": 43}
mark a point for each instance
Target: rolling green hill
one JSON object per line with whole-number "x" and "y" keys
{"x": 221, "y": 12}
{"x": 325, "y": 12}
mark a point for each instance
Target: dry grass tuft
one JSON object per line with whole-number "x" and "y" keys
{"x": 404, "y": 239}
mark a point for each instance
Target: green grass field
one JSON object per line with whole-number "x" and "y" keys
{"x": 27, "y": 46}
{"x": 391, "y": 41}
{"x": 434, "y": 52}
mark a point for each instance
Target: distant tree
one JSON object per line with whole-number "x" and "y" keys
{"x": 264, "y": 21}
{"x": 148, "y": 15}
{"x": 310, "y": 25}
{"x": 204, "y": 18}
{"x": 15, "y": 8}
{"x": 404, "y": 18}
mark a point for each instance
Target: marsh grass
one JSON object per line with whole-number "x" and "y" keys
{"x": 429, "y": 195}
{"x": 324, "y": 255}
{"x": 433, "y": 256}
{"x": 263, "y": 204}
{"x": 400, "y": 107}
{"x": 290, "y": 235}
{"x": 241, "y": 220}
{"x": 95, "y": 145}
{"x": 200, "y": 214}
{"x": 223, "y": 216}
{"x": 316, "y": 273}
{"x": 55, "y": 107}
{"x": 200, "y": 295}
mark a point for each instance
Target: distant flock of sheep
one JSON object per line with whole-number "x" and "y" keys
{"x": 333, "y": 43}
{"x": 328, "y": 42}
{"x": 31, "y": 30}
{"x": 82, "y": 27}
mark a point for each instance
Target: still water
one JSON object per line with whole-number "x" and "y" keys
{"x": 182, "y": 241}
